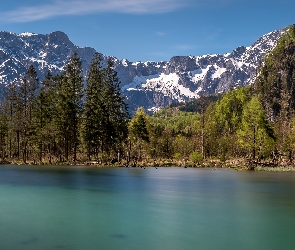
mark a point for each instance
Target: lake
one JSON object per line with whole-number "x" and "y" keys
{"x": 136, "y": 208}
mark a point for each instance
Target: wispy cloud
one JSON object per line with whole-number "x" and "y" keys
{"x": 82, "y": 7}
{"x": 160, "y": 33}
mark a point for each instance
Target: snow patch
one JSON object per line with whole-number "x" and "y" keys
{"x": 124, "y": 63}
{"x": 135, "y": 64}
{"x": 199, "y": 74}
{"x": 28, "y": 34}
{"x": 219, "y": 71}
{"x": 154, "y": 109}
{"x": 168, "y": 85}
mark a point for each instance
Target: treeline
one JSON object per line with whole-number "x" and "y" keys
{"x": 234, "y": 129}
{"x": 60, "y": 120}
{"x": 255, "y": 124}
{"x": 236, "y": 126}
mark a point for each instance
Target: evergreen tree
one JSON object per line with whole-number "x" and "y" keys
{"x": 44, "y": 112}
{"x": 105, "y": 112}
{"x": 12, "y": 111}
{"x": 116, "y": 110}
{"x": 276, "y": 79}
{"x": 93, "y": 126}
{"x": 3, "y": 131}
{"x": 27, "y": 96}
{"x": 69, "y": 105}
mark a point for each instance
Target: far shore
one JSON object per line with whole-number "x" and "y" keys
{"x": 236, "y": 164}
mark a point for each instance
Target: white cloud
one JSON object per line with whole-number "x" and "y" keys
{"x": 160, "y": 33}
{"x": 82, "y": 7}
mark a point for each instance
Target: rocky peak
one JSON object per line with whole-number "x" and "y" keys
{"x": 148, "y": 84}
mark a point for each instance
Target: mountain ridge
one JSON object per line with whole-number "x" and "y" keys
{"x": 149, "y": 84}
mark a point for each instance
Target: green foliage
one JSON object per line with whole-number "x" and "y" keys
{"x": 229, "y": 109}
{"x": 93, "y": 121}
{"x": 48, "y": 123}
{"x": 177, "y": 156}
{"x": 256, "y": 134}
{"x": 276, "y": 79}
{"x": 105, "y": 112}
{"x": 139, "y": 133}
{"x": 3, "y": 131}
{"x": 179, "y": 122}
{"x": 196, "y": 157}
{"x": 70, "y": 93}
{"x": 138, "y": 126}
{"x": 199, "y": 105}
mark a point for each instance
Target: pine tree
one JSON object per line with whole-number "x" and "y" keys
{"x": 43, "y": 114}
{"x": 116, "y": 115}
{"x": 105, "y": 112}
{"x": 12, "y": 111}
{"x": 27, "y": 95}
{"x": 275, "y": 81}
{"x": 3, "y": 131}
{"x": 70, "y": 93}
{"x": 92, "y": 130}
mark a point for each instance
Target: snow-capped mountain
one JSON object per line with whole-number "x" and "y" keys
{"x": 148, "y": 84}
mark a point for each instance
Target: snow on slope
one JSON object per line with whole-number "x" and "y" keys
{"x": 149, "y": 84}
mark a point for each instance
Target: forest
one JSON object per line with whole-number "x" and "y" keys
{"x": 66, "y": 119}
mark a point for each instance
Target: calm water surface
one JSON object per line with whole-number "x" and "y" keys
{"x": 165, "y": 208}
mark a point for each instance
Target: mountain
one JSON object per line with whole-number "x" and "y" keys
{"x": 148, "y": 84}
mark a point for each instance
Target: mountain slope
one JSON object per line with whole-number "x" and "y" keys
{"x": 148, "y": 84}
{"x": 186, "y": 77}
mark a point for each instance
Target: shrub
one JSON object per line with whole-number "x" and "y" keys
{"x": 177, "y": 156}
{"x": 196, "y": 157}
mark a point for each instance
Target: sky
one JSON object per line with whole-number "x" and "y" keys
{"x": 151, "y": 30}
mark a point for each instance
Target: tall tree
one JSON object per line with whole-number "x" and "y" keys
{"x": 27, "y": 96}
{"x": 12, "y": 110}
{"x": 70, "y": 93}
{"x": 256, "y": 134}
{"x": 92, "y": 129}
{"x": 44, "y": 112}
{"x": 276, "y": 78}
{"x": 105, "y": 112}
{"x": 115, "y": 107}
{"x": 138, "y": 130}
{"x": 3, "y": 131}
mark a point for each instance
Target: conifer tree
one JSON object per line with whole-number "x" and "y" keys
{"x": 27, "y": 95}
{"x": 12, "y": 108}
{"x": 3, "y": 131}
{"x": 70, "y": 93}
{"x": 92, "y": 129}
{"x": 116, "y": 110}
{"x": 105, "y": 112}
{"x": 44, "y": 112}
{"x": 276, "y": 79}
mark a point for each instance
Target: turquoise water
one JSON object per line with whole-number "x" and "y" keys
{"x": 126, "y": 208}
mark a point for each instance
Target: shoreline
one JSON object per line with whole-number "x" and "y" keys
{"x": 237, "y": 164}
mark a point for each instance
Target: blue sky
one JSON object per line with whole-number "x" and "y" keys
{"x": 154, "y": 30}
